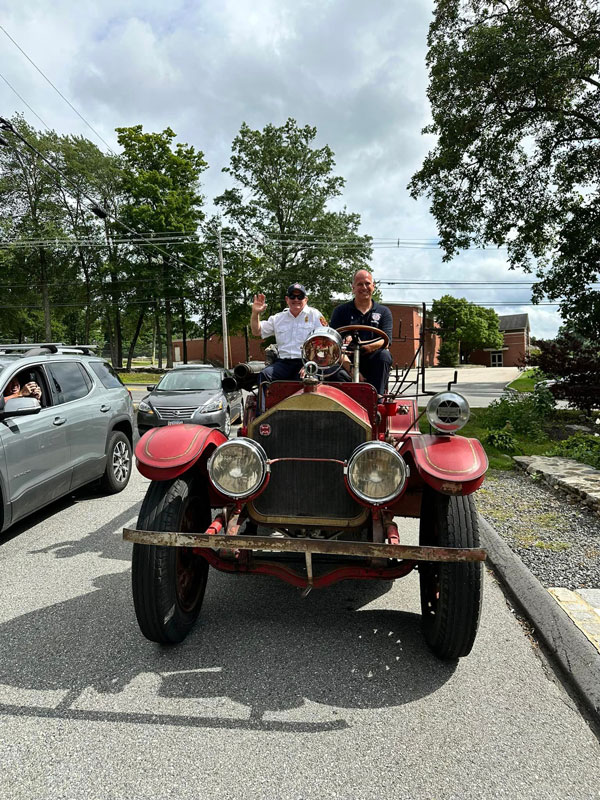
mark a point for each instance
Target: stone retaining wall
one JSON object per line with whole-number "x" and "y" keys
{"x": 565, "y": 474}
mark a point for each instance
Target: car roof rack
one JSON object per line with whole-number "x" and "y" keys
{"x": 49, "y": 348}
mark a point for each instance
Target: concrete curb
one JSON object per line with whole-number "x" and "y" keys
{"x": 576, "y": 655}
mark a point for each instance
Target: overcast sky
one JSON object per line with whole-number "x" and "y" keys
{"x": 355, "y": 69}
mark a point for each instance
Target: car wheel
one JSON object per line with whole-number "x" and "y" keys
{"x": 227, "y": 423}
{"x": 450, "y": 591}
{"x": 118, "y": 463}
{"x": 168, "y": 583}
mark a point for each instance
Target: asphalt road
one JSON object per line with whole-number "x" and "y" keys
{"x": 478, "y": 385}
{"x": 272, "y": 696}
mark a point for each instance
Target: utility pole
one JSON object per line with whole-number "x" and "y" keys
{"x": 223, "y": 302}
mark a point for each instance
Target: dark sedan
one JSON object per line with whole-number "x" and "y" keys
{"x": 190, "y": 393}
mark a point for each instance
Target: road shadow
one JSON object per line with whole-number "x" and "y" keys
{"x": 257, "y": 643}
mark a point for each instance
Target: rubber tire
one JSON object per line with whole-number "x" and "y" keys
{"x": 451, "y": 592}
{"x": 161, "y": 614}
{"x": 109, "y": 483}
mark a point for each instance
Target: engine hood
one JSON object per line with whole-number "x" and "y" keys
{"x": 183, "y": 399}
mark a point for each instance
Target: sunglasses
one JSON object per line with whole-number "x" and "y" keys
{"x": 296, "y": 296}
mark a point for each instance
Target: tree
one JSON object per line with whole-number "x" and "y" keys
{"x": 514, "y": 93}
{"x": 279, "y": 210}
{"x": 464, "y": 327}
{"x": 29, "y": 213}
{"x": 161, "y": 184}
{"x": 575, "y": 362}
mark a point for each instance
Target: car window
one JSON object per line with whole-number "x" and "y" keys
{"x": 190, "y": 380}
{"x": 106, "y": 374}
{"x": 31, "y": 374}
{"x": 68, "y": 381}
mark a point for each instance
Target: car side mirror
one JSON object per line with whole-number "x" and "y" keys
{"x": 151, "y": 388}
{"x": 19, "y": 407}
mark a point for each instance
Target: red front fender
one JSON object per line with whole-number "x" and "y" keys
{"x": 165, "y": 453}
{"x": 449, "y": 464}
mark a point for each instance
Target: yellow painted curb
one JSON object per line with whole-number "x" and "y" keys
{"x": 581, "y": 612}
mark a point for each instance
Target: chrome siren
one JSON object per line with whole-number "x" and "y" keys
{"x": 448, "y": 412}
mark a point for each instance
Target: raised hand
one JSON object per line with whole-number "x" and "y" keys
{"x": 31, "y": 389}
{"x": 259, "y": 304}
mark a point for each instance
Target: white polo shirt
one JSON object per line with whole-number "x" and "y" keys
{"x": 290, "y": 331}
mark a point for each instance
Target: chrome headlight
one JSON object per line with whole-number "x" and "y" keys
{"x": 212, "y": 405}
{"x": 376, "y": 472}
{"x": 238, "y": 467}
{"x": 448, "y": 412}
{"x": 146, "y": 407}
{"x": 324, "y": 347}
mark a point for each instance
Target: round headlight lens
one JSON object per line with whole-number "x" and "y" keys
{"x": 324, "y": 347}
{"x": 238, "y": 467}
{"x": 376, "y": 472}
{"x": 448, "y": 412}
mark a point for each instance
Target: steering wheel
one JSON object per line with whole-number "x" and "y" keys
{"x": 370, "y": 329}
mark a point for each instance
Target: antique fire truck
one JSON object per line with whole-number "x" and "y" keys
{"x": 313, "y": 490}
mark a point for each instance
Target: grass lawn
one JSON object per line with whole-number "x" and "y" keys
{"x": 476, "y": 429}
{"x": 525, "y": 381}
{"x": 139, "y": 377}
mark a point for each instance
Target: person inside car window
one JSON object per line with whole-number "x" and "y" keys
{"x": 290, "y": 328}
{"x": 375, "y": 360}
{"x": 14, "y": 389}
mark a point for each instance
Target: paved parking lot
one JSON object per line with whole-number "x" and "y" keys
{"x": 271, "y": 696}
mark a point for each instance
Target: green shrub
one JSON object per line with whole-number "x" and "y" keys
{"x": 502, "y": 440}
{"x": 448, "y": 354}
{"x": 583, "y": 447}
{"x": 525, "y": 413}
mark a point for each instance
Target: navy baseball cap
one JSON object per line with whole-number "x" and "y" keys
{"x": 296, "y": 287}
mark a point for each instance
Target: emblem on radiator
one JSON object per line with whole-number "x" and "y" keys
{"x": 265, "y": 430}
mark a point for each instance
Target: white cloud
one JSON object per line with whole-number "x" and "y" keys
{"x": 355, "y": 70}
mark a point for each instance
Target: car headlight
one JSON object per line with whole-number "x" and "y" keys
{"x": 212, "y": 405}
{"x": 324, "y": 347}
{"x": 448, "y": 412}
{"x": 238, "y": 468}
{"x": 376, "y": 472}
{"x": 146, "y": 407}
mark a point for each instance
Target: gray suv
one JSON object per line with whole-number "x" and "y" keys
{"x": 65, "y": 420}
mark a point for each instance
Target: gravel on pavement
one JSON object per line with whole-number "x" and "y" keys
{"x": 557, "y": 538}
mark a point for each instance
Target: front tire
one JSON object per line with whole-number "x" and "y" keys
{"x": 168, "y": 583}
{"x": 118, "y": 464}
{"x": 451, "y": 592}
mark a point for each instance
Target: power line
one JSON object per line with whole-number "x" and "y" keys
{"x": 95, "y": 207}
{"x": 22, "y": 99}
{"x": 46, "y": 78}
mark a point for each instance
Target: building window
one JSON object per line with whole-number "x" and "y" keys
{"x": 496, "y": 359}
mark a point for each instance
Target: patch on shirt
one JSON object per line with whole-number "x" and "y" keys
{"x": 376, "y": 317}
{"x": 323, "y": 321}
{"x": 306, "y": 318}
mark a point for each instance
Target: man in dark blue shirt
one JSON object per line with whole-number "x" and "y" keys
{"x": 375, "y": 359}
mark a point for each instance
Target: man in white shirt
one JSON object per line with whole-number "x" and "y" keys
{"x": 290, "y": 328}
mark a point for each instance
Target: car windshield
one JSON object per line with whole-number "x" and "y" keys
{"x": 191, "y": 380}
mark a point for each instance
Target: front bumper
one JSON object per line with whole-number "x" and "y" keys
{"x": 276, "y": 544}
{"x": 210, "y": 419}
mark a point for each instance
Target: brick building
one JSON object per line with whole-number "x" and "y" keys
{"x": 515, "y": 328}
{"x": 405, "y": 340}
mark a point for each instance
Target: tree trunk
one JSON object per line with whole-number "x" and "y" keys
{"x": 45, "y": 295}
{"x": 169, "y": 333}
{"x": 183, "y": 332}
{"x": 138, "y": 328}
{"x": 158, "y": 334}
{"x": 111, "y": 338}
